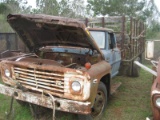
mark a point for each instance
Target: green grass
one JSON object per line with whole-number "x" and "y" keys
{"x": 130, "y": 102}
{"x": 132, "y": 99}
{"x": 19, "y": 112}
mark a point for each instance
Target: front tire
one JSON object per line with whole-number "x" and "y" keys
{"x": 99, "y": 105}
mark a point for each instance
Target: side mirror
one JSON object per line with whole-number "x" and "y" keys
{"x": 149, "y": 50}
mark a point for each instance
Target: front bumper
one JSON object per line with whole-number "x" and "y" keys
{"x": 46, "y": 101}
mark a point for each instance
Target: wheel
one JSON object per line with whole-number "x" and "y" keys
{"x": 133, "y": 70}
{"x": 99, "y": 104}
{"x": 100, "y": 101}
{"x": 136, "y": 69}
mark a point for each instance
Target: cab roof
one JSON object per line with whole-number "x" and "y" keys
{"x": 101, "y": 29}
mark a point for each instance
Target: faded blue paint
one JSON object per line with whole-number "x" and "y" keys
{"x": 73, "y": 50}
{"x": 113, "y": 56}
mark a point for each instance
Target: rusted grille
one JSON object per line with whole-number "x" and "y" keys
{"x": 40, "y": 80}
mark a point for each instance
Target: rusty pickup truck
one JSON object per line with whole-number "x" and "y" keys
{"x": 70, "y": 66}
{"x": 65, "y": 69}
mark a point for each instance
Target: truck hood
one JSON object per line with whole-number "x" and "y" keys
{"x": 44, "y": 30}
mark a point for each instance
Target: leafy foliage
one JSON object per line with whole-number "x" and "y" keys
{"x": 153, "y": 30}
{"x": 48, "y": 6}
{"x": 3, "y": 8}
{"x": 134, "y": 8}
{"x": 11, "y": 6}
{"x": 67, "y": 8}
{"x": 144, "y": 9}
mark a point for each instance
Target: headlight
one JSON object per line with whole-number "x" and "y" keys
{"x": 7, "y": 73}
{"x": 76, "y": 86}
{"x": 158, "y": 102}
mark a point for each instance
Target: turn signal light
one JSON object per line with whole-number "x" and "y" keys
{"x": 88, "y": 65}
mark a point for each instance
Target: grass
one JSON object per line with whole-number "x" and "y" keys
{"x": 130, "y": 102}
{"x": 132, "y": 99}
{"x": 19, "y": 112}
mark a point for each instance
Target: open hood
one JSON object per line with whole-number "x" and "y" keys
{"x": 44, "y": 30}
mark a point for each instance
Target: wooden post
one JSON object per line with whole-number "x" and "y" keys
{"x": 123, "y": 32}
{"x": 16, "y": 41}
{"x": 86, "y": 22}
{"x": 103, "y": 23}
{"x": 7, "y": 41}
{"x": 131, "y": 34}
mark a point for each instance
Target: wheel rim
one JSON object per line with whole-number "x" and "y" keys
{"x": 98, "y": 104}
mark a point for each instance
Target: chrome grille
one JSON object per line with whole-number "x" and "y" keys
{"x": 40, "y": 80}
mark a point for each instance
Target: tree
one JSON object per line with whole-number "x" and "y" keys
{"x": 4, "y": 8}
{"x": 135, "y": 8}
{"x": 11, "y": 6}
{"x": 67, "y": 8}
{"x": 78, "y": 8}
{"x": 48, "y": 6}
{"x": 153, "y": 30}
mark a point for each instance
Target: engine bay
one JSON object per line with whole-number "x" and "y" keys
{"x": 66, "y": 58}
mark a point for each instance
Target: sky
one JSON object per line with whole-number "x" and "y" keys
{"x": 157, "y": 2}
{"x": 32, "y": 3}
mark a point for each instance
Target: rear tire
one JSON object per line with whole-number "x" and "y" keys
{"x": 136, "y": 69}
{"x": 133, "y": 70}
{"x": 99, "y": 105}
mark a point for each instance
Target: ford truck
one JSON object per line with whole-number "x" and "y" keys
{"x": 70, "y": 66}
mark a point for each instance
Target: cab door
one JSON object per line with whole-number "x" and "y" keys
{"x": 112, "y": 53}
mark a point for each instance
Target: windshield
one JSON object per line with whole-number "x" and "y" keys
{"x": 99, "y": 37}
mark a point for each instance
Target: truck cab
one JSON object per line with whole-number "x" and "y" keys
{"x": 106, "y": 40}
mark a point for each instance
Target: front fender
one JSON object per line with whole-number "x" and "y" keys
{"x": 96, "y": 72}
